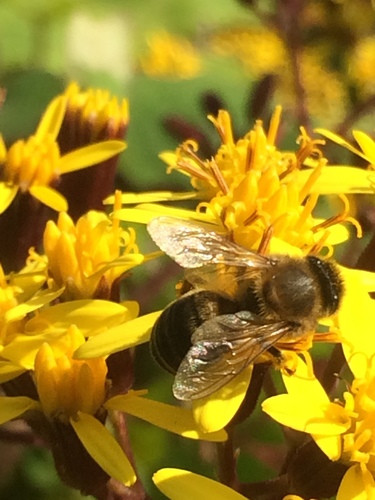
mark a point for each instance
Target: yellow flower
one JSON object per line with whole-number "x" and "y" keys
{"x": 252, "y": 187}
{"x": 344, "y": 431}
{"x": 93, "y": 113}
{"x": 170, "y": 56}
{"x": 89, "y": 256}
{"x": 35, "y": 165}
{"x": 73, "y": 392}
{"x": 178, "y": 484}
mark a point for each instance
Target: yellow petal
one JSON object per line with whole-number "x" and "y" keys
{"x": 357, "y": 484}
{"x": 339, "y": 140}
{"x": 171, "y": 418}
{"x": 356, "y": 319}
{"x": 337, "y": 234}
{"x": 90, "y": 155}
{"x": 31, "y": 305}
{"x": 366, "y": 278}
{"x": 366, "y": 144}
{"x": 7, "y": 194}
{"x": 128, "y": 334}
{"x": 215, "y": 411}
{"x": 8, "y": 371}
{"x": 151, "y": 197}
{"x": 304, "y": 414}
{"x": 330, "y": 445}
{"x": 304, "y": 382}
{"x": 23, "y": 348}
{"x": 103, "y": 448}
{"x": 143, "y": 214}
{"x": 13, "y": 407}
{"x": 90, "y": 316}
{"x": 49, "y": 197}
{"x": 52, "y": 118}
{"x": 178, "y": 484}
{"x": 340, "y": 179}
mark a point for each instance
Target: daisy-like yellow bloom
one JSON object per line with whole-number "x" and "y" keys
{"x": 73, "y": 392}
{"x": 170, "y": 56}
{"x": 86, "y": 258}
{"x": 35, "y": 164}
{"x": 344, "y": 430}
{"x": 251, "y": 186}
{"x": 179, "y": 484}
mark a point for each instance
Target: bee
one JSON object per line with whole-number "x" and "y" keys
{"x": 241, "y": 305}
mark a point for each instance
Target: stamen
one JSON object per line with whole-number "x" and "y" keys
{"x": 274, "y": 126}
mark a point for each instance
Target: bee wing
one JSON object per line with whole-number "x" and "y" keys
{"x": 222, "y": 348}
{"x": 192, "y": 245}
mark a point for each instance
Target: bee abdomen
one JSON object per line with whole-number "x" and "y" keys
{"x": 171, "y": 334}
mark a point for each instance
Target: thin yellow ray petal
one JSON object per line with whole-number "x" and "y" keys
{"x": 340, "y": 179}
{"x": 366, "y": 144}
{"x": 330, "y": 445}
{"x": 366, "y": 278}
{"x": 178, "y": 484}
{"x": 303, "y": 414}
{"x": 304, "y": 382}
{"x": 152, "y": 197}
{"x": 91, "y": 316}
{"x": 52, "y": 118}
{"x": 128, "y": 334}
{"x": 7, "y": 194}
{"x": 90, "y": 155}
{"x": 103, "y": 448}
{"x": 339, "y": 140}
{"x": 31, "y": 305}
{"x": 356, "y": 319}
{"x": 49, "y": 197}
{"x": 13, "y": 407}
{"x": 171, "y": 418}
{"x": 23, "y": 348}
{"x": 213, "y": 412}
{"x": 143, "y": 214}
{"x": 9, "y": 371}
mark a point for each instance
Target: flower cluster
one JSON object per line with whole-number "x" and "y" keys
{"x": 68, "y": 334}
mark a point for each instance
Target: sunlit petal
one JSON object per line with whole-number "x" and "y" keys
{"x": 357, "y": 484}
{"x": 366, "y": 144}
{"x": 31, "y": 305}
{"x": 215, "y": 411}
{"x": 8, "y": 371}
{"x": 7, "y": 194}
{"x": 129, "y": 334}
{"x": 341, "y": 179}
{"x": 90, "y": 316}
{"x": 49, "y": 197}
{"x": 103, "y": 448}
{"x": 151, "y": 197}
{"x": 172, "y": 418}
{"x": 178, "y": 484}
{"x": 90, "y": 155}
{"x": 52, "y": 118}
{"x": 13, "y": 407}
